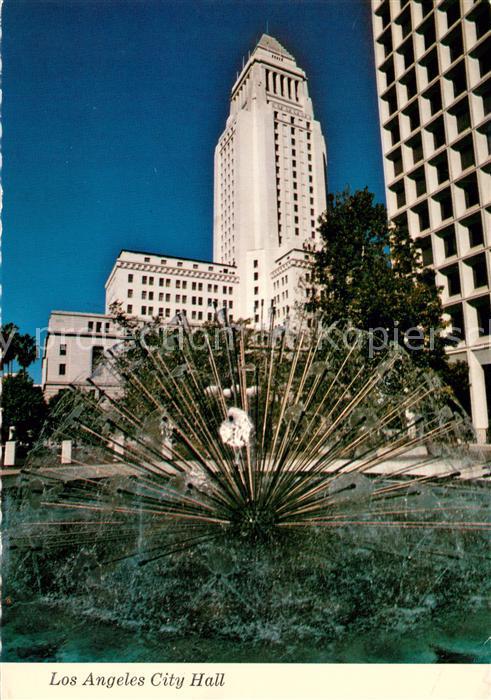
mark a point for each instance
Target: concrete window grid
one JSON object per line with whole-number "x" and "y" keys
{"x": 399, "y": 126}
{"x": 441, "y": 51}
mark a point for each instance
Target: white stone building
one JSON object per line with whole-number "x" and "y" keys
{"x": 150, "y": 285}
{"x": 434, "y": 86}
{"x": 270, "y": 182}
{"x": 270, "y": 188}
{"x": 147, "y": 286}
{"x": 74, "y": 345}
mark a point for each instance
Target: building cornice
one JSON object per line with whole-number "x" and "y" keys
{"x": 175, "y": 271}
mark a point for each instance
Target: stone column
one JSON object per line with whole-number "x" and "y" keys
{"x": 478, "y": 398}
{"x": 9, "y": 453}
{"x": 117, "y": 446}
{"x": 66, "y": 451}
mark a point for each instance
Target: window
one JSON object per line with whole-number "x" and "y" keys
{"x": 146, "y": 259}
{"x": 256, "y": 290}
{"x": 390, "y": 98}
{"x": 483, "y": 309}
{"x": 453, "y": 279}
{"x": 416, "y": 146}
{"x": 161, "y": 282}
{"x": 130, "y": 293}
{"x": 386, "y": 41}
{"x": 143, "y": 310}
{"x": 457, "y": 320}
{"x": 129, "y": 309}
{"x": 407, "y": 53}
{"x": 62, "y": 370}
{"x": 144, "y": 295}
{"x": 144, "y": 279}
{"x": 469, "y": 187}
{"x": 412, "y": 113}
{"x": 428, "y": 31}
{"x": 423, "y": 216}
{"x": 130, "y": 278}
{"x": 63, "y": 349}
{"x": 440, "y": 163}
{"x": 396, "y": 158}
{"x": 437, "y": 130}
{"x": 430, "y": 62}
{"x": 449, "y": 241}
{"x": 90, "y": 325}
{"x": 434, "y": 98}
{"x": 454, "y": 43}
{"x": 98, "y": 326}
{"x": 150, "y": 280}
{"x": 479, "y": 270}
{"x": 97, "y": 356}
{"x": 466, "y": 152}
{"x": 474, "y": 230}
{"x": 456, "y": 77}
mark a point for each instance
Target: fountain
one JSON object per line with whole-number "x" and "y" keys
{"x": 273, "y": 493}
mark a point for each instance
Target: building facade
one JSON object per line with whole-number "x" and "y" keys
{"x": 434, "y": 87}
{"x": 270, "y": 188}
{"x": 74, "y": 347}
{"x": 270, "y": 182}
{"x": 149, "y": 286}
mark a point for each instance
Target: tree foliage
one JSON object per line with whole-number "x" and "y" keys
{"x": 368, "y": 274}
{"x": 17, "y": 347}
{"x": 23, "y": 407}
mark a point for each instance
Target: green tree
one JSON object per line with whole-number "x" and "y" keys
{"x": 23, "y": 407}
{"x": 369, "y": 274}
{"x": 16, "y": 347}
{"x": 66, "y": 408}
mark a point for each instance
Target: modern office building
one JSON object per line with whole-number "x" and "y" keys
{"x": 270, "y": 187}
{"x": 270, "y": 183}
{"x": 433, "y": 63}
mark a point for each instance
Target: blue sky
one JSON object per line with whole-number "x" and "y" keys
{"x": 111, "y": 111}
